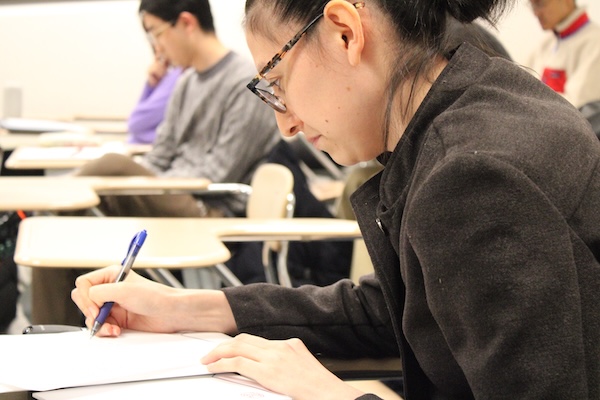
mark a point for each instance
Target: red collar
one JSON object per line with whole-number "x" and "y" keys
{"x": 574, "y": 27}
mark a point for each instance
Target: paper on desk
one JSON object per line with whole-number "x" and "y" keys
{"x": 204, "y": 387}
{"x": 61, "y": 360}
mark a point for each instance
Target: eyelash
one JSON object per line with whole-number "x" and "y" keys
{"x": 274, "y": 83}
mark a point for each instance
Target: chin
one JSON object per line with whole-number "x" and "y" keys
{"x": 343, "y": 160}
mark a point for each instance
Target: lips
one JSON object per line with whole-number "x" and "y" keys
{"x": 313, "y": 140}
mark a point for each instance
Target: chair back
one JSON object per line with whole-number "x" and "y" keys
{"x": 272, "y": 192}
{"x": 273, "y": 197}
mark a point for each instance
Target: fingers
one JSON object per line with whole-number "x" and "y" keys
{"x": 108, "y": 329}
{"x": 83, "y": 283}
{"x": 93, "y": 289}
{"x": 276, "y": 365}
{"x": 245, "y": 350}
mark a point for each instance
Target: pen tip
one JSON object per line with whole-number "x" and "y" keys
{"x": 95, "y": 329}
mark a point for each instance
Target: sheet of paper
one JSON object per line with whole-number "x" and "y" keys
{"x": 204, "y": 387}
{"x": 70, "y": 359}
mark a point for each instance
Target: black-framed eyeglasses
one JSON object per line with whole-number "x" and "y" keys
{"x": 263, "y": 88}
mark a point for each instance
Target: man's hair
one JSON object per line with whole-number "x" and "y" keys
{"x": 169, "y": 10}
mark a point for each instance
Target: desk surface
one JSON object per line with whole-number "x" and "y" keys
{"x": 44, "y": 194}
{"x": 34, "y": 193}
{"x": 12, "y": 140}
{"x": 65, "y": 157}
{"x": 88, "y": 242}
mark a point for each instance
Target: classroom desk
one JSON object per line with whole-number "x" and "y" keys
{"x": 85, "y": 242}
{"x": 147, "y": 185}
{"x": 47, "y": 193}
{"x": 12, "y": 140}
{"x": 66, "y": 157}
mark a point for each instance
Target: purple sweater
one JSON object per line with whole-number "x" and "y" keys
{"x": 150, "y": 109}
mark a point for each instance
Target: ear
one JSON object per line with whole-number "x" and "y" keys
{"x": 344, "y": 21}
{"x": 188, "y": 20}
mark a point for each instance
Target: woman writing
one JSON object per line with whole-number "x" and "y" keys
{"x": 483, "y": 227}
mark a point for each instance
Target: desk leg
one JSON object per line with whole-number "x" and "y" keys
{"x": 164, "y": 276}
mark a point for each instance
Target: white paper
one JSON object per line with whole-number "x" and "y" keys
{"x": 71, "y": 359}
{"x": 204, "y": 387}
{"x": 39, "y": 125}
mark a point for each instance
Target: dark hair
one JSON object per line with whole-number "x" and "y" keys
{"x": 420, "y": 27}
{"x": 169, "y": 10}
{"x": 458, "y": 33}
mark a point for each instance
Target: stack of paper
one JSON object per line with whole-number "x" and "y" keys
{"x": 144, "y": 360}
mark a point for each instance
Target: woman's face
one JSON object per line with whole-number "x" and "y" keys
{"x": 338, "y": 106}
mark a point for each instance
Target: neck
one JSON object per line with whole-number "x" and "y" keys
{"x": 573, "y": 22}
{"x": 209, "y": 51}
{"x": 411, "y": 96}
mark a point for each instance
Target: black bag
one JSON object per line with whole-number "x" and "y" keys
{"x": 9, "y": 293}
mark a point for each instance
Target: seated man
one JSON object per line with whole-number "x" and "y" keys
{"x": 214, "y": 128}
{"x": 568, "y": 59}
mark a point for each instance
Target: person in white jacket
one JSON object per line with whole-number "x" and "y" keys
{"x": 568, "y": 58}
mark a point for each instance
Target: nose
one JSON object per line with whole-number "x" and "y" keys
{"x": 289, "y": 124}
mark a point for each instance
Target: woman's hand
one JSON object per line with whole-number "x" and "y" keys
{"x": 144, "y": 305}
{"x": 140, "y": 304}
{"x": 285, "y": 367}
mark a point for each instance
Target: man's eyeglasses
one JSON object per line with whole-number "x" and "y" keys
{"x": 154, "y": 34}
{"x": 263, "y": 88}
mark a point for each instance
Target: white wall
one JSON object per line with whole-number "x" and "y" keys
{"x": 90, "y": 57}
{"x": 85, "y": 58}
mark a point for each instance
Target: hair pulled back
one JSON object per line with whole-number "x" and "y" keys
{"x": 420, "y": 27}
{"x": 422, "y": 22}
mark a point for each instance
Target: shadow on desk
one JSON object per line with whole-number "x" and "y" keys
{"x": 24, "y": 395}
{"x": 17, "y": 172}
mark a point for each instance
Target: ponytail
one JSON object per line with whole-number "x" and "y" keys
{"x": 423, "y": 22}
{"x": 467, "y": 11}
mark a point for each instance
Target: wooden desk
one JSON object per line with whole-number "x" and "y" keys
{"x": 85, "y": 242}
{"x": 147, "y": 185}
{"x": 46, "y": 193}
{"x": 65, "y": 157}
{"x": 12, "y": 140}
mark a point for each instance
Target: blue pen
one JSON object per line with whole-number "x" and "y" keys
{"x": 132, "y": 252}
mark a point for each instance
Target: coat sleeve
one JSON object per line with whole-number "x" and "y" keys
{"x": 340, "y": 320}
